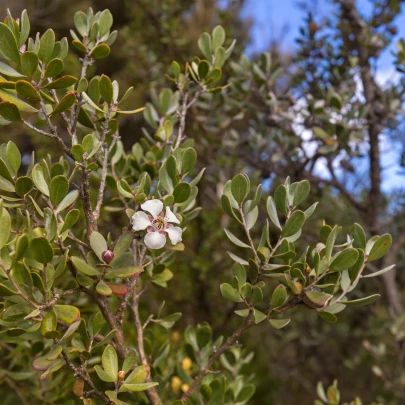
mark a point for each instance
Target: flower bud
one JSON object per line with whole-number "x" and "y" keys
{"x": 107, "y": 256}
{"x": 121, "y": 375}
{"x": 298, "y": 285}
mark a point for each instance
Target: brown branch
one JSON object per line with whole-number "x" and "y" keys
{"x": 85, "y": 193}
{"x": 82, "y": 374}
{"x": 151, "y": 393}
{"x": 247, "y": 323}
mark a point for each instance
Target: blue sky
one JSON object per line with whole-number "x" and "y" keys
{"x": 280, "y": 20}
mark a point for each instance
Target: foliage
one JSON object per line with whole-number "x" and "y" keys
{"x": 72, "y": 283}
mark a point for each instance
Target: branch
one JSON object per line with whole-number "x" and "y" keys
{"x": 247, "y": 323}
{"x": 82, "y": 374}
{"x": 151, "y": 393}
{"x": 50, "y": 135}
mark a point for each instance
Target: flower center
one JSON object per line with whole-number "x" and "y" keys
{"x": 159, "y": 223}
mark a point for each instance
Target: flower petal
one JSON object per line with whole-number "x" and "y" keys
{"x": 171, "y": 217}
{"x": 141, "y": 221}
{"x": 174, "y": 234}
{"x": 155, "y": 207}
{"x": 155, "y": 240}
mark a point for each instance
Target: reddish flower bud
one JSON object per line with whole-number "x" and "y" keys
{"x": 121, "y": 375}
{"x": 107, "y": 256}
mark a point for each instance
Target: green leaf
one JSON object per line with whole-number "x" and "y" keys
{"x": 138, "y": 376}
{"x": 67, "y": 313}
{"x": 344, "y": 260}
{"x": 226, "y": 205}
{"x": 380, "y": 248}
{"x": 6, "y": 185}
{"x": 8, "y": 44}
{"x": 379, "y": 272}
{"x": 80, "y": 20}
{"x": 281, "y": 199}
{"x": 25, "y": 28}
{"x": 103, "y": 289}
{"x": 181, "y": 192}
{"x": 83, "y": 267}
{"x": 68, "y": 200}
{"x": 320, "y": 133}
{"x": 318, "y": 297}
{"x": 65, "y": 103}
{"x": 229, "y": 293}
{"x": 9, "y": 111}
{"x": 293, "y": 224}
{"x": 355, "y": 269}
{"x": 106, "y": 89}
{"x": 235, "y": 240}
{"x": 71, "y": 218}
{"x": 188, "y": 160}
{"x": 272, "y": 212}
{"x": 203, "y": 68}
{"x": 98, "y": 244}
{"x": 359, "y": 236}
{"x": 259, "y": 316}
{"x": 239, "y": 188}
{"x": 11, "y": 96}
{"x": 279, "y": 323}
{"x": 138, "y": 387}
{"x": 5, "y": 227}
{"x": 125, "y": 272}
{"x": 279, "y": 297}
{"x": 46, "y": 44}
{"x": 239, "y": 272}
{"x": 257, "y": 296}
{"x": 41, "y": 250}
{"x": 301, "y": 192}
{"x": 13, "y": 156}
{"x": 29, "y": 63}
{"x": 130, "y": 360}
{"x": 58, "y": 189}
{"x": 62, "y": 83}
{"x": 361, "y": 301}
{"x": 218, "y": 36}
{"x": 237, "y": 259}
{"x": 109, "y": 361}
{"x": 26, "y": 89}
{"x": 330, "y": 242}
{"x": 39, "y": 179}
{"x": 54, "y": 67}
{"x": 246, "y": 393}
{"x": 71, "y": 330}
{"x": 48, "y": 325}
{"x": 205, "y": 45}
{"x": 101, "y": 51}
{"x": 102, "y": 375}
{"x": 220, "y": 57}
{"x": 165, "y": 180}
{"x": 9, "y": 71}
{"x": 79, "y": 46}
{"x": 252, "y": 215}
{"x": 327, "y": 316}
{"x": 308, "y": 213}
{"x": 105, "y": 22}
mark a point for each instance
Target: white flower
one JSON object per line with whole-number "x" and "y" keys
{"x": 157, "y": 224}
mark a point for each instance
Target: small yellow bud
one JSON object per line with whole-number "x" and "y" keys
{"x": 298, "y": 285}
{"x": 175, "y": 336}
{"x": 185, "y": 387}
{"x": 187, "y": 364}
{"x": 121, "y": 375}
{"x": 176, "y": 384}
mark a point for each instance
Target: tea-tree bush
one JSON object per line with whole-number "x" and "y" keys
{"x": 72, "y": 286}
